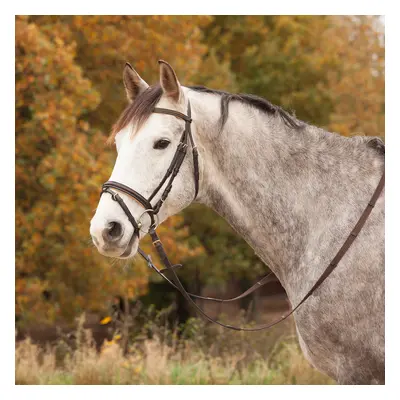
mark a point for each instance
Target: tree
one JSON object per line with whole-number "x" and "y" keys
{"x": 358, "y": 88}
{"x": 61, "y": 162}
{"x": 329, "y": 69}
{"x": 105, "y": 43}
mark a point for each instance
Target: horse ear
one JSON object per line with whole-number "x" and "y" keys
{"x": 168, "y": 81}
{"x": 134, "y": 84}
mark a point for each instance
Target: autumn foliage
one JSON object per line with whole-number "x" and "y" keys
{"x": 330, "y": 70}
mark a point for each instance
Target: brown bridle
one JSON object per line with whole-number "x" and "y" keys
{"x": 168, "y": 266}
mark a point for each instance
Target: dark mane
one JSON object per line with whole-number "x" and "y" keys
{"x": 143, "y": 105}
{"x": 250, "y": 100}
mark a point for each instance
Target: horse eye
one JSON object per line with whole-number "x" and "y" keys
{"x": 161, "y": 144}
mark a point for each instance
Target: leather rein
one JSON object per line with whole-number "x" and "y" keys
{"x": 152, "y": 211}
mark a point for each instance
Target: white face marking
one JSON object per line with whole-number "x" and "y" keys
{"x": 141, "y": 166}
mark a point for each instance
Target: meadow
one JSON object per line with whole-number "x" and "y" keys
{"x": 199, "y": 355}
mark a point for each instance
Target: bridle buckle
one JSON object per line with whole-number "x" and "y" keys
{"x": 114, "y": 196}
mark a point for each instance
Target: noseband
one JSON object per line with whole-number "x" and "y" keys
{"x": 171, "y": 173}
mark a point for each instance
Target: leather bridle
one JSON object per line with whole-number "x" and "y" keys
{"x": 171, "y": 173}
{"x": 152, "y": 211}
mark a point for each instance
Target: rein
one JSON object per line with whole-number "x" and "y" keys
{"x": 171, "y": 173}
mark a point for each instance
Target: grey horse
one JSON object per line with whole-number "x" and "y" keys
{"x": 291, "y": 190}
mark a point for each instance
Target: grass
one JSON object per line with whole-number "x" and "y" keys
{"x": 166, "y": 358}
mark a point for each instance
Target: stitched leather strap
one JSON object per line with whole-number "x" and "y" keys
{"x": 349, "y": 241}
{"x": 130, "y": 192}
{"x": 173, "y": 112}
{"x": 267, "y": 278}
{"x": 115, "y": 196}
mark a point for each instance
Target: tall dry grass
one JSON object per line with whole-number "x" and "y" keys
{"x": 164, "y": 359}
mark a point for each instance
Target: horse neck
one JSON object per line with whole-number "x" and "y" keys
{"x": 289, "y": 193}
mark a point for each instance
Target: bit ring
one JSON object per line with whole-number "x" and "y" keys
{"x": 151, "y": 214}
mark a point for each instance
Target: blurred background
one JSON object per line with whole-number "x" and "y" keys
{"x": 69, "y": 92}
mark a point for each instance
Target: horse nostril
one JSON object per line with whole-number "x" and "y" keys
{"x": 113, "y": 232}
